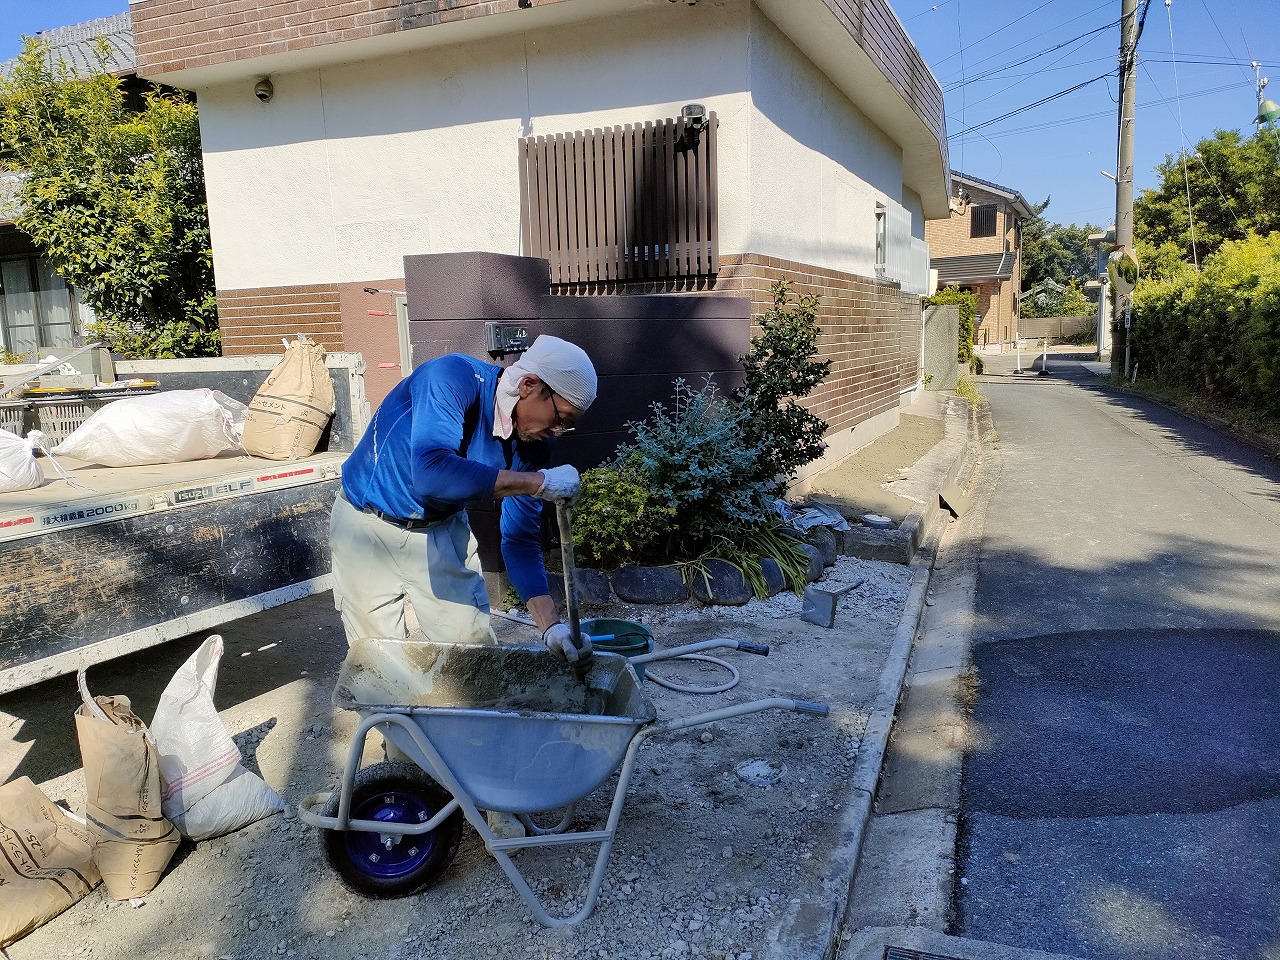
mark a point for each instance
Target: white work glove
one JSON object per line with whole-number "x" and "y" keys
{"x": 559, "y": 640}
{"x": 560, "y": 483}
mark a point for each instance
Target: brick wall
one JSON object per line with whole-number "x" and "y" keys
{"x": 181, "y": 34}
{"x": 950, "y": 238}
{"x": 253, "y": 321}
{"x": 870, "y": 332}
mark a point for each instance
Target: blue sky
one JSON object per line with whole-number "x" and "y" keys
{"x": 1058, "y": 149}
{"x": 1052, "y": 150}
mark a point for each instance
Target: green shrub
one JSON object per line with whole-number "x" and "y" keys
{"x": 780, "y": 369}
{"x": 698, "y": 480}
{"x": 1216, "y": 332}
{"x": 968, "y": 304}
{"x": 618, "y": 520}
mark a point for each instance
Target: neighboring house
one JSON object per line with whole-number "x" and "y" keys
{"x": 979, "y": 248}
{"x": 340, "y": 137}
{"x": 37, "y": 308}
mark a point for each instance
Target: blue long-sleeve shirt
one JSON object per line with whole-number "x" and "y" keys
{"x": 430, "y": 448}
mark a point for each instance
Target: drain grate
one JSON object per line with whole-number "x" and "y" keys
{"x": 902, "y": 953}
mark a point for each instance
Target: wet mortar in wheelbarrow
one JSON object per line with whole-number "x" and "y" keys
{"x": 487, "y": 728}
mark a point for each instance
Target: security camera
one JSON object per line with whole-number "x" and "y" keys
{"x": 263, "y": 90}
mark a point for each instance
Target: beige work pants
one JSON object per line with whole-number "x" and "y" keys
{"x": 379, "y": 569}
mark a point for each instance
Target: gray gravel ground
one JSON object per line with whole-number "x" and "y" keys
{"x": 706, "y": 864}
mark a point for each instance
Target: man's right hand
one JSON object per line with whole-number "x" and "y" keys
{"x": 560, "y": 483}
{"x": 559, "y": 640}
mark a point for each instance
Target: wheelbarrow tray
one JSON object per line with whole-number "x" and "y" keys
{"x": 516, "y": 728}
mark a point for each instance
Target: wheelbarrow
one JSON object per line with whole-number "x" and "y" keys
{"x": 503, "y": 728}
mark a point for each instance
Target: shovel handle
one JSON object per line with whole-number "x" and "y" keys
{"x": 564, "y": 520}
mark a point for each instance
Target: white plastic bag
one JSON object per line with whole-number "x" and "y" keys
{"x": 206, "y": 791}
{"x": 18, "y": 467}
{"x": 169, "y": 427}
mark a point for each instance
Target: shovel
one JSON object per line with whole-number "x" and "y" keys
{"x": 564, "y": 519}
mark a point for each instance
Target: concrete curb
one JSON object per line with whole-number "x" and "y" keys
{"x": 937, "y": 470}
{"x": 811, "y": 931}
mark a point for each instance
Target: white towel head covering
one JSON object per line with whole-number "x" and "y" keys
{"x": 561, "y": 365}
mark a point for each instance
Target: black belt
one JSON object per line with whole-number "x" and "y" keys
{"x": 421, "y": 524}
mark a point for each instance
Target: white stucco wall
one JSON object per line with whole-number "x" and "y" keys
{"x": 818, "y": 165}
{"x": 351, "y": 167}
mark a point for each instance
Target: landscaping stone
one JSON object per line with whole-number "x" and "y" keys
{"x": 591, "y": 586}
{"x": 724, "y": 585}
{"x": 825, "y": 539}
{"x": 636, "y": 584}
{"x": 813, "y": 572}
{"x": 774, "y": 581}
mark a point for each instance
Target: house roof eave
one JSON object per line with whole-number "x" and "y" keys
{"x": 1018, "y": 201}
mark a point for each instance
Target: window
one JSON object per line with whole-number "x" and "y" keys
{"x": 983, "y": 222}
{"x": 37, "y": 308}
{"x": 623, "y": 203}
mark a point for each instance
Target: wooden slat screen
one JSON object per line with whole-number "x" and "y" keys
{"x": 624, "y": 203}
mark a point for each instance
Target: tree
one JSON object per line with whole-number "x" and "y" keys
{"x": 781, "y": 369}
{"x": 113, "y": 197}
{"x": 1234, "y": 192}
{"x": 1051, "y": 251}
{"x": 1068, "y": 301}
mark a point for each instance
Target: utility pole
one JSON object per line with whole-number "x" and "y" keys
{"x": 1124, "y": 177}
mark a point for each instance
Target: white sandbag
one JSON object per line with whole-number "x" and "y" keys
{"x": 169, "y": 427}
{"x": 18, "y": 467}
{"x": 206, "y": 791}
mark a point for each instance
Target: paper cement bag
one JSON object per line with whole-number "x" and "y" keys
{"x": 292, "y": 408}
{"x": 47, "y": 862}
{"x": 206, "y": 790}
{"x": 133, "y": 841}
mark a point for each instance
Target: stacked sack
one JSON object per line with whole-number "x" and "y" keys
{"x": 145, "y": 790}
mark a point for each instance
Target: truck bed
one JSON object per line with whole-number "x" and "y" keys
{"x": 121, "y": 558}
{"x": 97, "y": 493}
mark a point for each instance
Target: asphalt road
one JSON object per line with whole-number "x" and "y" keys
{"x": 1122, "y": 797}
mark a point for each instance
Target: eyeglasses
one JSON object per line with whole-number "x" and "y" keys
{"x": 561, "y": 426}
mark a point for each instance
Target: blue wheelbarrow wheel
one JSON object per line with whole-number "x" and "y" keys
{"x": 393, "y": 793}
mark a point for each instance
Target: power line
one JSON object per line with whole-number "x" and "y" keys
{"x": 1095, "y": 60}
{"x": 1041, "y": 53}
{"x": 1214, "y": 21}
{"x": 998, "y": 30}
{"x": 932, "y": 9}
{"x": 1080, "y": 118}
{"x": 1240, "y": 25}
{"x": 1031, "y": 106}
{"x": 1016, "y": 83}
{"x": 1054, "y": 29}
